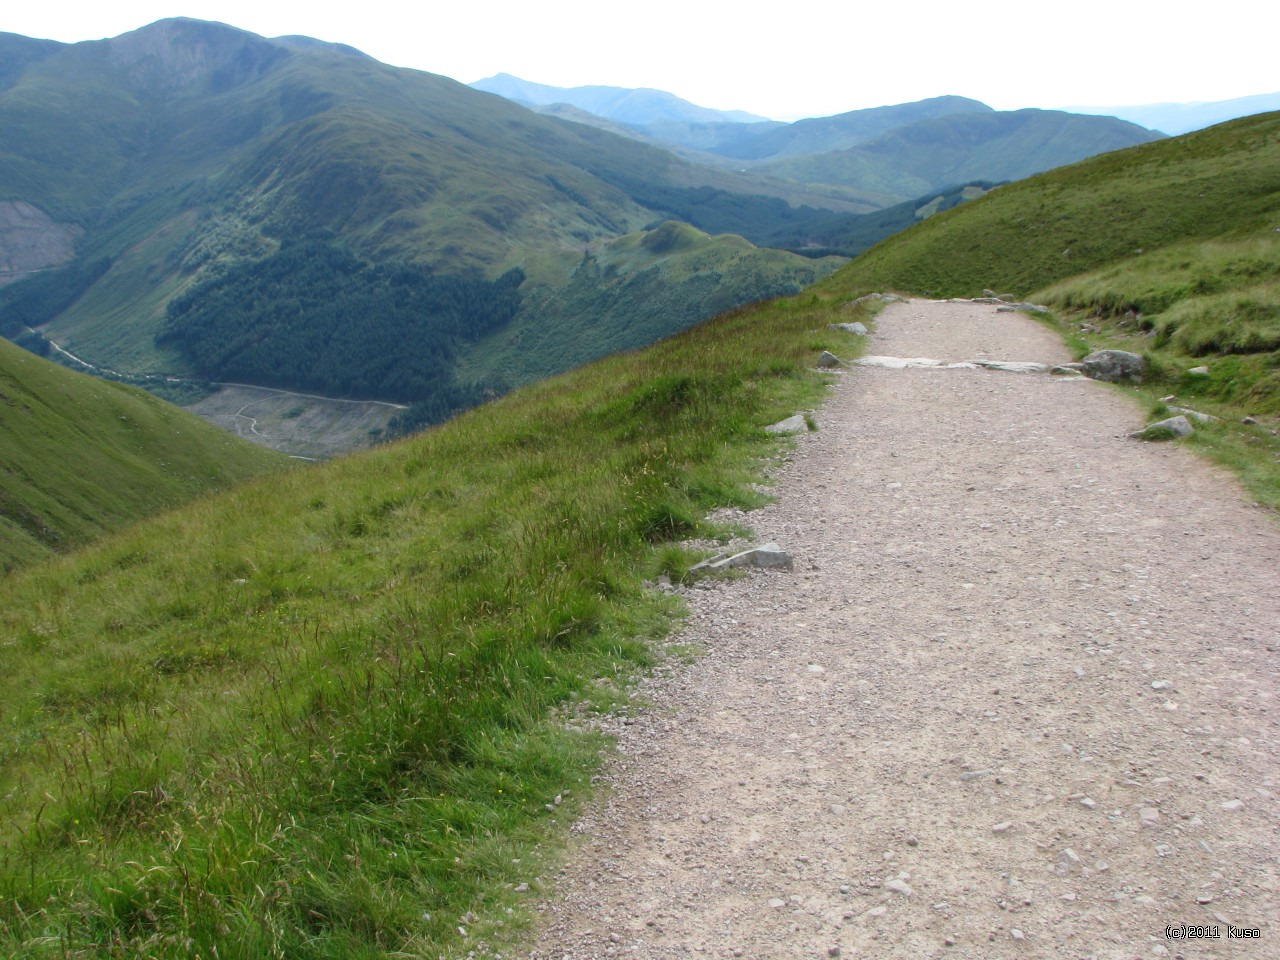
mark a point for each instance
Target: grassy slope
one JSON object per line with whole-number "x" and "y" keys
{"x": 1217, "y": 182}
{"x": 81, "y": 456}
{"x": 1169, "y": 249}
{"x": 323, "y": 716}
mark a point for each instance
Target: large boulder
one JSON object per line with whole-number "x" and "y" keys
{"x": 1115, "y": 366}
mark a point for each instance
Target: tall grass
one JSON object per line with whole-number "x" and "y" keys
{"x": 334, "y": 714}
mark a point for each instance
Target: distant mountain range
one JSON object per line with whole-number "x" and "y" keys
{"x": 624, "y": 104}
{"x": 895, "y": 152}
{"x": 1176, "y": 118}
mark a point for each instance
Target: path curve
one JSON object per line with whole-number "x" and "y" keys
{"x": 1017, "y": 698}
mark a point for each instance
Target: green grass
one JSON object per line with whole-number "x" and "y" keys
{"x": 1213, "y": 304}
{"x": 1223, "y": 182}
{"x": 328, "y": 715}
{"x": 80, "y": 457}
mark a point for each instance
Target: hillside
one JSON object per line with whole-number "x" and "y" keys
{"x": 343, "y": 688}
{"x": 1223, "y": 182}
{"x": 186, "y": 156}
{"x": 80, "y": 457}
{"x": 633, "y": 292}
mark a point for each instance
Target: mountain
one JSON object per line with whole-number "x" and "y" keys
{"x": 1176, "y": 118}
{"x": 934, "y": 152}
{"x": 839, "y": 132}
{"x": 80, "y": 457}
{"x": 638, "y": 107}
{"x": 896, "y": 153}
{"x": 187, "y": 152}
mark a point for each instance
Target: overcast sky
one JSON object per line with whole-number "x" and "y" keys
{"x": 791, "y": 60}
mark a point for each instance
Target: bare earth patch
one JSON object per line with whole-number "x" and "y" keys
{"x": 1015, "y": 700}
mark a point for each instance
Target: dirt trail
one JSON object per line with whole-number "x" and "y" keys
{"x": 1016, "y": 699}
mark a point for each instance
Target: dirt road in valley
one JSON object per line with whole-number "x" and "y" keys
{"x": 1017, "y": 698}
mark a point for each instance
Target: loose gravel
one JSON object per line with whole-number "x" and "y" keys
{"x": 1016, "y": 698}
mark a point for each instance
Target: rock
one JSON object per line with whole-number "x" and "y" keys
{"x": 899, "y": 886}
{"x": 1115, "y": 366}
{"x": 1068, "y": 861}
{"x": 1195, "y": 414}
{"x": 1249, "y": 420}
{"x": 793, "y": 424}
{"x": 1062, "y": 369}
{"x": 1023, "y": 308}
{"x": 868, "y": 298}
{"x": 829, "y": 360}
{"x": 1233, "y": 805}
{"x": 1004, "y": 827}
{"x": 770, "y": 555}
{"x": 777, "y": 903}
{"x": 1178, "y": 426}
{"x": 855, "y": 327}
{"x": 1149, "y": 816}
{"x": 1198, "y": 372}
{"x": 1160, "y": 684}
{"x": 1012, "y": 366}
{"x": 1017, "y": 934}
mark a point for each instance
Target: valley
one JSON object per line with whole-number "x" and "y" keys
{"x": 190, "y": 160}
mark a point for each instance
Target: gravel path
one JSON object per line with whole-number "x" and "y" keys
{"x": 1015, "y": 700}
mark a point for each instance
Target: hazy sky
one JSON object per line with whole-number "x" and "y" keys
{"x": 786, "y": 61}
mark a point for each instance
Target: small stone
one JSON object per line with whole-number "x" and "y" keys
{"x": 1115, "y": 366}
{"x": 949, "y": 942}
{"x": 877, "y": 911}
{"x": 1204, "y": 901}
{"x": 1199, "y": 371}
{"x": 1017, "y": 934}
{"x": 522, "y": 888}
{"x": 1088, "y": 803}
{"x": 829, "y": 360}
{"x": 1249, "y": 420}
{"x": 1003, "y": 827}
{"x": 1233, "y": 805}
{"x": 1068, "y": 861}
{"x": 973, "y": 775}
{"x": 614, "y": 938}
{"x": 833, "y": 951}
{"x": 899, "y": 886}
{"x": 793, "y": 424}
{"x": 816, "y": 668}
{"x": 777, "y": 903}
{"x": 1160, "y": 684}
{"x": 1178, "y": 426}
{"x": 837, "y": 809}
{"x": 1149, "y": 816}
{"x": 912, "y": 841}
